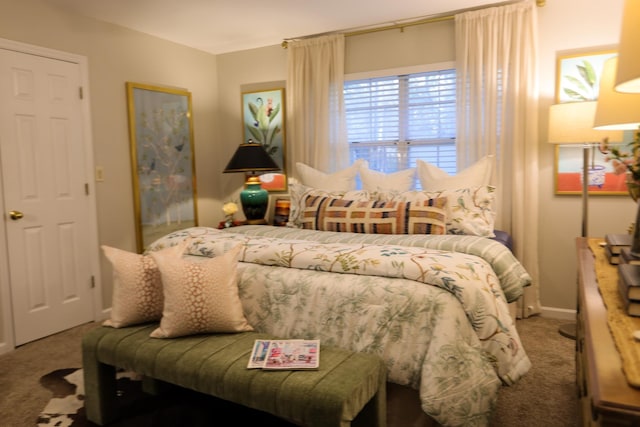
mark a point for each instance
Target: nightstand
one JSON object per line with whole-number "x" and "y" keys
{"x": 235, "y": 223}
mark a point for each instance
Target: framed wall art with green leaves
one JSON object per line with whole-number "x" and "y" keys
{"x": 263, "y": 121}
{"x": 578, "y": 75}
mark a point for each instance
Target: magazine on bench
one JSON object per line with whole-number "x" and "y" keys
{"x": 285, "y": 354}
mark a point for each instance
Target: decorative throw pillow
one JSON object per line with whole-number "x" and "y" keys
{"x": 432, "y": 178}
{"x": 344, "y": 180}
{"x": 137, "y": 288}
{"x": 374, "y": 217}
{"x": 298, "y": 194}
{"x": 380, "y": 181}
{"x": 470, "y": 211}
{"x": 200, "y": 293}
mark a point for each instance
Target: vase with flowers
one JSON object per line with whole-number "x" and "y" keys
{"x": 627, "y": 162}
{"x": 229, "y": 209}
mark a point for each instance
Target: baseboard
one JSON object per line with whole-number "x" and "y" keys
{"x": 558, "y": 313}
{"x": 5, "y": 348}
{"x": 104, "y": 315}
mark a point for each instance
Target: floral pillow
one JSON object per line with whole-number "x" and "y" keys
{"x": 298, "y": 193}
{"x": 426, "y": 216}
{"x": 470, "y": 211}
{"x": 137, "y": 288}
{"x": 200, "y": 293}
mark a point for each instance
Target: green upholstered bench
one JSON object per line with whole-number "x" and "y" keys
{"x": 347, "y": 389}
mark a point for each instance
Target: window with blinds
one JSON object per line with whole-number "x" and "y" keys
{"x": 393, "y": 121}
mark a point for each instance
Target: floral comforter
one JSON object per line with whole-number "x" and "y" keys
{"x": 438, "y": 318}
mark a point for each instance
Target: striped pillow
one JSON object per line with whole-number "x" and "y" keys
{"x": 374, "y": 217}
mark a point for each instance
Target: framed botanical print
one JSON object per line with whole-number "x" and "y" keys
{"x": 263, "y": 114}
{"x": 578, "y": 75}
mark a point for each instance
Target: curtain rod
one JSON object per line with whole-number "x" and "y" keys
{"x": 401, "y": 26}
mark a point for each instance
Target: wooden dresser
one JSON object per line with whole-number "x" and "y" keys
{"x": 605, "y": 398}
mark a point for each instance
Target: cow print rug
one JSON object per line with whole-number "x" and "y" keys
{"x": 175, "y": 407}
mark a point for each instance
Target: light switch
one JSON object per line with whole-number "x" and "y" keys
{"x": 99, "y": 173}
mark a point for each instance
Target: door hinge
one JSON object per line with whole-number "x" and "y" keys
{"x": 86, "y": 188}
{"x": 81, "y": 92}
{"x": 93, "y": 282}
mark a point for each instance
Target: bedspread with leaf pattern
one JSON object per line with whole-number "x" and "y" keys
{"x": 438, "y": 318}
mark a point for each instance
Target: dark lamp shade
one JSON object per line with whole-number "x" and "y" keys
{"x": 251, "y": 157}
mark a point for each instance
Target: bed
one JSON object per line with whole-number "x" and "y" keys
{"x": 434, "y": 307}
{"x": 420, "y": 278}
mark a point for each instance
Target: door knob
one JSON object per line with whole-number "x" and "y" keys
{"x": 15, "y": 215}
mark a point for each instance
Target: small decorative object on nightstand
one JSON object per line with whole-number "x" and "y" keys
{"x": 281, "y": 216}
{"x": 229, "y": 210}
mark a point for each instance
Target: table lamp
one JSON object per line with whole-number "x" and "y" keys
{"x": 628, "y": 72}
{"x": 572, "y": 123}
{"x": 615, "y": 110}
{"x": 620, "y": 111}
{"x": 250, "y": 158}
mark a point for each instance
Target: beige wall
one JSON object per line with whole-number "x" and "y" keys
{"x": 564, "y": 25}
{"x": 116, "y": 55}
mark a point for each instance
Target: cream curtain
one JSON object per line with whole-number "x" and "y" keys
{"x": 315, "y": 108}
{"x": 497, "y": 66}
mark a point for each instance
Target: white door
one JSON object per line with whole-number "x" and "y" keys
{"x": 44, "y": 187}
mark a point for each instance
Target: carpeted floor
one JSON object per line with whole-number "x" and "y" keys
{"x": 545, "y": 396}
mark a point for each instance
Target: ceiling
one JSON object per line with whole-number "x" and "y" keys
{"x": 221, "y": 26}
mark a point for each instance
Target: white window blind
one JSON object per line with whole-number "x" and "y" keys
{"x": 393, "y": 121}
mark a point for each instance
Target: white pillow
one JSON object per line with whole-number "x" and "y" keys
{"x": 432, "y": 178}
{"x": 344, "y": 180}
{"x": 380, "y": 181}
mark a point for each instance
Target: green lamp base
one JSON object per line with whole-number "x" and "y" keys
{"x": 254, "y": 200}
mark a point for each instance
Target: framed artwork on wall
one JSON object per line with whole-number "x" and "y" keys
{"x": 578, "y": 80}
{"x": 578, "y": 75}
{"x": 162, "y": 159}
{"x": 601, "y": 178}
{"x": 263, "y": 114}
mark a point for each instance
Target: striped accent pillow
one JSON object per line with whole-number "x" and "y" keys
{"x": 374, "y": 217}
